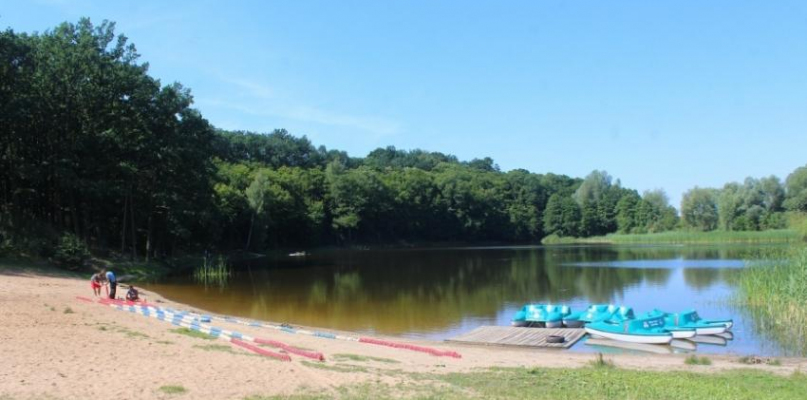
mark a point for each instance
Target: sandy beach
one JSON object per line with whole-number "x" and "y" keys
{"x": 55, "y": 346}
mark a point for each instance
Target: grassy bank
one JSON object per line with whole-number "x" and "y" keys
{"x": 775, "y": 293}
{"x": 684, "y": 237}
{"x": 580, "y": 383}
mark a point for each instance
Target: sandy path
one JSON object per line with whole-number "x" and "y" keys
{"x": 53, "y": 346}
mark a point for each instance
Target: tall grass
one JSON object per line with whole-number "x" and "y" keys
{"x": 213, "y": 272}
{"x": 774, "y": 292}
{"x": 797, "y": 221}
{"x": 685, "y": 237}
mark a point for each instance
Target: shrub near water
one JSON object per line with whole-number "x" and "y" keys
{"x": 71, "y": 252}
{"x": 210, "y": 272}
{"x": 774, "y": 291}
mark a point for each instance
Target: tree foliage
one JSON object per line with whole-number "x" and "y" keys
{"x": 796, "y": 184}
{"x": 95, "y": 150}
{"x": 699, "y": 209}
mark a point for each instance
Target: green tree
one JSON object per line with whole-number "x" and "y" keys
{"x": 257, "y": 194}
{"x": 562, "y": 216}
{"x": 729, "y": 205}
{"x": 796, "y": 190}
{"x": 626, "y": 212}
{"x": 699, "y": 209}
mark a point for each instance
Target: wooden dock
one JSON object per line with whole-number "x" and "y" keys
{"x": 521, "y": 337}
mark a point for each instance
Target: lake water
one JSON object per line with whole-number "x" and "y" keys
{"x": 440, "y": 293}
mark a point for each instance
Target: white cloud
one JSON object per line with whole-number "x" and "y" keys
{"x": 379, "y": 126}
{"x": 256, "y": 89}
{"x": 262, "y": 100}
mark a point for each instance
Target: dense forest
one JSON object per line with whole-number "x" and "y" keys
{"x": 95, "y": 152}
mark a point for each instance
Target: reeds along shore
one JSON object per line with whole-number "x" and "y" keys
{"x": 685, "y": 237}
{"x": 213, "y": 272}
{"x": 774, "y": 290}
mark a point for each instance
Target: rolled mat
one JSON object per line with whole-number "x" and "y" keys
{"x": 407, "y": 346}
{"x": 256, "y": 349}
{"x": 291, "y": 349}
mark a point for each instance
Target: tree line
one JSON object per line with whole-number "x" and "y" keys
{"x": 94, "y": 151}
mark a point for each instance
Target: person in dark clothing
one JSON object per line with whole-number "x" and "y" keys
{"x": 113, "y": 283}
{"x": 132, "y": 294}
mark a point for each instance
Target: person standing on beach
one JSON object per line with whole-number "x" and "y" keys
{"x": 95, "y": 283}
{"x": 113, "y": 283}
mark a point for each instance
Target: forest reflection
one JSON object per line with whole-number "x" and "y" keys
{"x": 427, "y": 290}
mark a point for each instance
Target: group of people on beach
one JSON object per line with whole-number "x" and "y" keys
{"x": 107, "y": 278}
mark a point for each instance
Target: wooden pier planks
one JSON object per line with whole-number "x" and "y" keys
{"x": 524, "y": 337}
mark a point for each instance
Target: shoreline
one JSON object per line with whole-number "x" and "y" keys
{"x": 57, "y": 346}
{"x": 771, "y": 236}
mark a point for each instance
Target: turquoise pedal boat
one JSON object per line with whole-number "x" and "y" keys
{"x": 598, "y": 312}
{"x": 594, "y": 313}
{"x": 542, "y": 315}
{"x": 691, "y": 320}
{"x": 623, "y": 326}
{"x": 520, "y": 319}
{"x": 626, "y": 314}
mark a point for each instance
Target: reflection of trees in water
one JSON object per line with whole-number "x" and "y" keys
{"x": 396, "y": 291}
{"x": 400, "y": 291}
{"x": 583, "y": 254}
{"x": 702, "y": 278}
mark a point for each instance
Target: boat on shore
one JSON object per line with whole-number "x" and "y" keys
{"x": 541, "y": 315}
{"x": 594, "y": 313}
{"x": 641, "y": 347}
{"x": 621, "y": 323}
{"x": 639, "y": 330}
{"x": 675, "y": 346}
{"x": 623, "y": 314}
{"x": 691, "y": 320}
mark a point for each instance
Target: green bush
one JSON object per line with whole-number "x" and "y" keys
{"x": 71, "y": 253}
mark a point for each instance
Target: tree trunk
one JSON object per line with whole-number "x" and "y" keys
{"x": 132, "y": 220}
{"x": 149, "y": 238}
{"x": 123, "y": 230}
{"x": 74, "y": 214}
{"x": 249, "y": 235}
{"x": 86, "y": 224}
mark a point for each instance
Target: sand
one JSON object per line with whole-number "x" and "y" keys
{"x": 54, "y": 346}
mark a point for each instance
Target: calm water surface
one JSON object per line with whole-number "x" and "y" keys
{"x": 440, "y": 293}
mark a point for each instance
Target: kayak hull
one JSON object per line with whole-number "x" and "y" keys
{"x": 728, "y": 323}
{"x": 662, "y": 338}
{"x": 683, "y": 334}
{"x": 713, "y": 330}
{"x": 646, "y": 348}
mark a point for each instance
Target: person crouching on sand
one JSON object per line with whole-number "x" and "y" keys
{"x": 132, "y": 294}
{"x": 95, "y": 283}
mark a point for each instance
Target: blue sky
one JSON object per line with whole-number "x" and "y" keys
{"x": 660, "y": 94}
